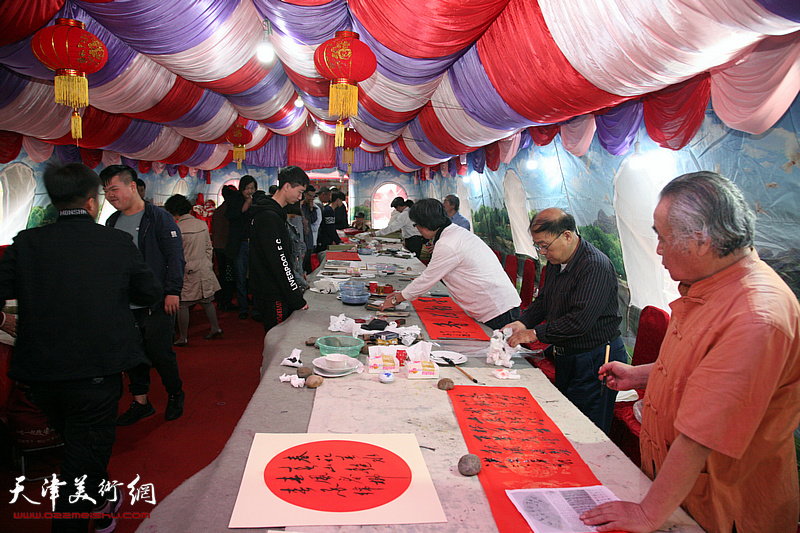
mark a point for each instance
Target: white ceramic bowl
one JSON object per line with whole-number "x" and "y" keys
{"x": 337, "y": 360}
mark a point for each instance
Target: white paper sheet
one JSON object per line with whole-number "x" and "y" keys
{"x": 557, "y": 510}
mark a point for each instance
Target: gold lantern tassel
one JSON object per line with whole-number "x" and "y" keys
{"x": 72, "y": 88}
{"x": 339, "y": 138}
{"x": 76, "y": 125}
{"x": 238, "y": 154}
{"x": 348, "y": 157}
{"x": 343, "y": 99}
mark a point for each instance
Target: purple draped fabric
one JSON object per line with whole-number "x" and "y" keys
{"x": 262, "y": 91}
{"x": 478, "y": 160}
{"x": 478, "y": 97}
{"x": 139, "y": 135}
{"x": 788, "y": 9}
{"x": 201, "y": 155}
{"x": 272, "y": 154}
{"x": 524, "y": 140}
{"x": 134, "y": 164}
{"x": 415, "y": 128}
{"x": 616, "y": 130}
{"x": 291, "y": 118}
{"x": 171, "y": 169}
{"x": 306, "y": 24}
{"x": 400, "y": 68}
{"x": 12, "y": 84}
{"x": 362, "y": 161}
{"x": 203, "y": 111}
{"x": 68, "y": 153}
{"x": 19, "y": 58}
{"x": 405, "y": 161}
{"x": 183, "y": 24}
{"x": 452, "y": 167}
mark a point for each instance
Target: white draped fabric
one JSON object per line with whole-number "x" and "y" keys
{"x": 124, "y": 94}
{"x": 576, "y": 135}
{"x": 375, "y": 136}
{"x": 34, "y": 112}
{"x": 297, "y": 56}
{"x": 110, "y": 157}
{"x": 509, "y": 147}
{"x": 271, "y": 106}
{"x": 38, "y": 151}
{"x": 398, "y": 96}
{"x": 217, "y": 157}
{"x": 214, "y": 128}
{"x": 417, "y": 152}
{"x": 229, "y": 48}
{"x": 294, "y": 126}
{"x": 631, "y": 48}
{"x": 754, "y": 93}
{"x": 165, "y": 145}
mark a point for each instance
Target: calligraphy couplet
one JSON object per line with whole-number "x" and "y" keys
{"x": 444, "y": 319}
{"x": 519, "y": 445}
{"x": 337, "y": 476}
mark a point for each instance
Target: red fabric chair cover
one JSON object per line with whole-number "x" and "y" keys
{"x": 511, "y": 268}
{"x": 625, "y": 429}
{"x": 314, "y": 262}
{"x": 528, "y": 283}
{"x": 499, "y": 257}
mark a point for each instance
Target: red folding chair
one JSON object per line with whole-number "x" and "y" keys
{"x": 528, "y": 283}
{"x": 511, "y": 268}
{"x": 499, "y": 257}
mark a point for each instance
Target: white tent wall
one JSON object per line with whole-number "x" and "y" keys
{"x": 603, "y": 192}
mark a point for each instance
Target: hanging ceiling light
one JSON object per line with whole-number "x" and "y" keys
{"x": 265, "y": 51}
{"x": 532, "y": 164}
{"x": 316, "y": 139}
{"x": 298, "y": 102}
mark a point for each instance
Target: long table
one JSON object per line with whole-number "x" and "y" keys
{"x": 359, "y": 403}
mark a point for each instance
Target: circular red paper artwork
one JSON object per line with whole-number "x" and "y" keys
{"x": 337, "y": 476}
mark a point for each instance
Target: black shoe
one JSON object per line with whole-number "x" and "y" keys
{"x": 214, "y": 335}
{"x": 136, "y": 412}
{"x": 174, "y": 408}
{"x": 243, "y": 315}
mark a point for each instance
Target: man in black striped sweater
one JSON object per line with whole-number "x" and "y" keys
{"x": 576, "y": 312}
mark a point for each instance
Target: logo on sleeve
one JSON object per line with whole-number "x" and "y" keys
{"x": 173, "y": 234}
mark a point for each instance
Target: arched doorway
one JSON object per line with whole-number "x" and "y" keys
{"x": 381, "y": 200}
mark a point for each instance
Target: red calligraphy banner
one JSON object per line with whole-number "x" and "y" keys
{"x": 519, "y": 445}
{"x": 444, "y": 319}
{"x": 343, "y": 256}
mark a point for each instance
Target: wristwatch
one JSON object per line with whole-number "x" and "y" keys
{"x": 394, "y": 299}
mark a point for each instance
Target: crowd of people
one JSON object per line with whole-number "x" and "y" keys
{"x": 721, "y": 401}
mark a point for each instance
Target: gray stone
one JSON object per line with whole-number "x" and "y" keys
{"x": 304, "y": 372}
{"x": 469, "y": 465}
{"x": 445, "y": 384}
{"x": 312, "y": 382}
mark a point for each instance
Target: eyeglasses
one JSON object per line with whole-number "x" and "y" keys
{"x": 544, "y": 248}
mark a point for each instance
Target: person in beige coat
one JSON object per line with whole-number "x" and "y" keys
{"x": 199, "y": 281}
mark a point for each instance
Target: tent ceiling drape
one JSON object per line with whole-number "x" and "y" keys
{"x": 452, "y": 76}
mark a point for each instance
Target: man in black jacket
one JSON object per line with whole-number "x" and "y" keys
{"x": 271, "y": 278}
{"x": 158, "y": 238}
{"x": 76, "y": 334}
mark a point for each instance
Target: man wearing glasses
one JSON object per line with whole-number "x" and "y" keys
{"x": 576, "y": 312}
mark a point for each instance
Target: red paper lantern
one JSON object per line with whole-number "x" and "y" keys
{"x": 238, "y": 136}
{"x": 352, "y": 140}
{"x": 73, "y": 53}
{"x": 344, "y": 60}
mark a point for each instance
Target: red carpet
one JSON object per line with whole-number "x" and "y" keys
{"x": 219, "y": 378}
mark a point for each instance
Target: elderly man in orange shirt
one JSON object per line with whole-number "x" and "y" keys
{"x": 723, "y": 397}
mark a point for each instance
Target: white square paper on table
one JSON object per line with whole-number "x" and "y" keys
{"x": 300, "y": 479}
{"x": 557, "y": 510}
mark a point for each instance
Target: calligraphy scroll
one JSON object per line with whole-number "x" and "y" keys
{"x": 342, "y": 256}
{"x": 444, "y": 319}
{"x": 519, "y": 445}
{"x": 321, "y": 479}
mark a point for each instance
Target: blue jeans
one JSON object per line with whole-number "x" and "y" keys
{"x": 576, "y": 378}
{"x": 241, "y": 264}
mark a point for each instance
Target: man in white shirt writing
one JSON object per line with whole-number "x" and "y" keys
{"x": 465, "y": 264}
